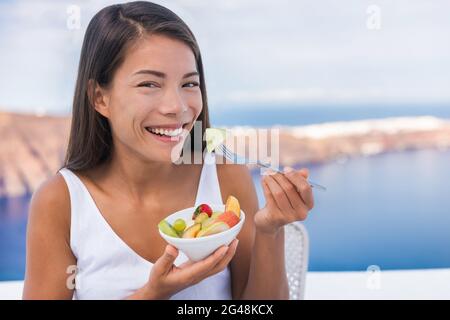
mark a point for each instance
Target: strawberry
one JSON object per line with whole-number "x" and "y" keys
{"x": 202, "y": 208}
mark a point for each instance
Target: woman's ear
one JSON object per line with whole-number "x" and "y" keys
{"x": 98, "y": 98}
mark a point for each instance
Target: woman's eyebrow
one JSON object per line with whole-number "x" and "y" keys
{"x": 160, "y": 74}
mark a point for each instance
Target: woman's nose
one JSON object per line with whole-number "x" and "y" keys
{"x": 173, "y": 103}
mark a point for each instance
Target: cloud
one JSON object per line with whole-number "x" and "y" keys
{"x": 254, "y": 51}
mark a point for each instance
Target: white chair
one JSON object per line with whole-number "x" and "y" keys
{"x": 296, "y": 258}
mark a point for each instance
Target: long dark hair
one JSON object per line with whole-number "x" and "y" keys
{"x": 108, "y": 35}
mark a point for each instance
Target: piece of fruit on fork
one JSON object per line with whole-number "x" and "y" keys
{"x": 214, "y": 137}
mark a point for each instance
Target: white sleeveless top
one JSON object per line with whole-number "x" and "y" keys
{"x": 107, "y": 268}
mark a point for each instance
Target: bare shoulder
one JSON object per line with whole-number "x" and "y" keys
{"x": 48, "y": 242}
{"x": 50, "y": 204}
{"x": 237, "y": 180}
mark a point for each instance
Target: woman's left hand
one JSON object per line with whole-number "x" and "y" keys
{"x": 289, "y": 198}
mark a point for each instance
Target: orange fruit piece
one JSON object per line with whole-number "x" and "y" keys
{"x": 232, "y": 204}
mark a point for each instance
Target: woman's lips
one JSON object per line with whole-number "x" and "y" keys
{"x": 166, "y": 138}
{"x": 168, "y": 126}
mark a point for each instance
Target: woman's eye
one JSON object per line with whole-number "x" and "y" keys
{"x": 191, "y": 84}
{"x": 148, "y": 85}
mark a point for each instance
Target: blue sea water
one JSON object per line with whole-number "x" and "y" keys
{"x": 390, "y": 210}
{"x": 262, "y": 116}
{"x": 13, "y": 221}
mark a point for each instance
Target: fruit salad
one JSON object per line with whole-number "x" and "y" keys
{"x": 204, "y": 222}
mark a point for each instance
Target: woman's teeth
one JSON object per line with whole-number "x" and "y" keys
{"x": 166, "y": 132}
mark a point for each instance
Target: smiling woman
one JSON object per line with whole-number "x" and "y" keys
{"x": 152, "y": 38}
{"x": 140, "y": 90}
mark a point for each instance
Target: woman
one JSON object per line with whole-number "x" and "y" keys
{"x": 141, "y": 72}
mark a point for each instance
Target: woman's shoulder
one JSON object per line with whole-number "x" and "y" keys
{"x": 50, "y": 203}
{"x": 48, "y": 242}
{"x": 52, "y": 191}
{"x": 230, "y": 171}
{"x": 236, "y": 180}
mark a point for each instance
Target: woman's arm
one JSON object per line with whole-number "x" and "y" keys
{"x": 258, "y": 268}
{"x": 267, "y": 277}
{"x": 50, "y": 263}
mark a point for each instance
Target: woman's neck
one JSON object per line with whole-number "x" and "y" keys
{"x": 139, "y": 177}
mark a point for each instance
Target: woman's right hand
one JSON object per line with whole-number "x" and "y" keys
{"x": 166, "y": 279}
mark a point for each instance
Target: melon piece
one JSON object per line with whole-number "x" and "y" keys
{"x": 166, "y": 228}
{"x": 201, "y": 217}
{"x": 215, "y": 228}
{"x": 214, "y": 137}
{"x": 192, "y": 231}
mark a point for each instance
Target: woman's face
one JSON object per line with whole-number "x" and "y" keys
{"x": 155, "y": 89}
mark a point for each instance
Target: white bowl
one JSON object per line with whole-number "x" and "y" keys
{"x": 199, "y": 248}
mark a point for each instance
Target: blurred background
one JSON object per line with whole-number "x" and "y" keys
{"x": 360, "y": 93}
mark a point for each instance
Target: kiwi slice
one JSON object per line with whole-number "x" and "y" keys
{"x": 166, "y": 228}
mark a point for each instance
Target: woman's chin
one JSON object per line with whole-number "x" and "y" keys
{"x": 165, "y": 149}
{"x": 164, "y": 154}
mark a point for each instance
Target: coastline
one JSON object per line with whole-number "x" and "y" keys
{"x": 39, "y": 142}
{"x": 338, "y": 141}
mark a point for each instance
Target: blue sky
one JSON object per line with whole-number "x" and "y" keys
{"x": 255, "y": 52}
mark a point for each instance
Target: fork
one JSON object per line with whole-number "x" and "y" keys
{"x": 235, "y": 158}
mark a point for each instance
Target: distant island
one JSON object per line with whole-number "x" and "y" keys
{"x": 32, "y": 147}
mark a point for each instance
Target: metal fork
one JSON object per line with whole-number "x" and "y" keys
{"x": 235, "y": 158}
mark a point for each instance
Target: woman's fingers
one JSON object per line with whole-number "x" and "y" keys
{"x": 298, "y": 178}
{"x": 291, "y": 191}
{"x": 196, "y": 271}
{"x": 278, "y": 193}
{"x": 165, "y": 263}
{"x": 226, "y": 259}
{"x": 267, "y": 194}
{"x": 303, "y": 171}
{"x": 299, "y": 209}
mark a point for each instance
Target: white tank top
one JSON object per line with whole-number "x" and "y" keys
{"x": 107, "y": 268}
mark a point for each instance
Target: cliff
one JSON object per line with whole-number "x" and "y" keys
{"x": 32, "y": 147}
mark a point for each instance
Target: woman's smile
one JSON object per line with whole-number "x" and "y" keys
{"x": 171, "y": 133}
